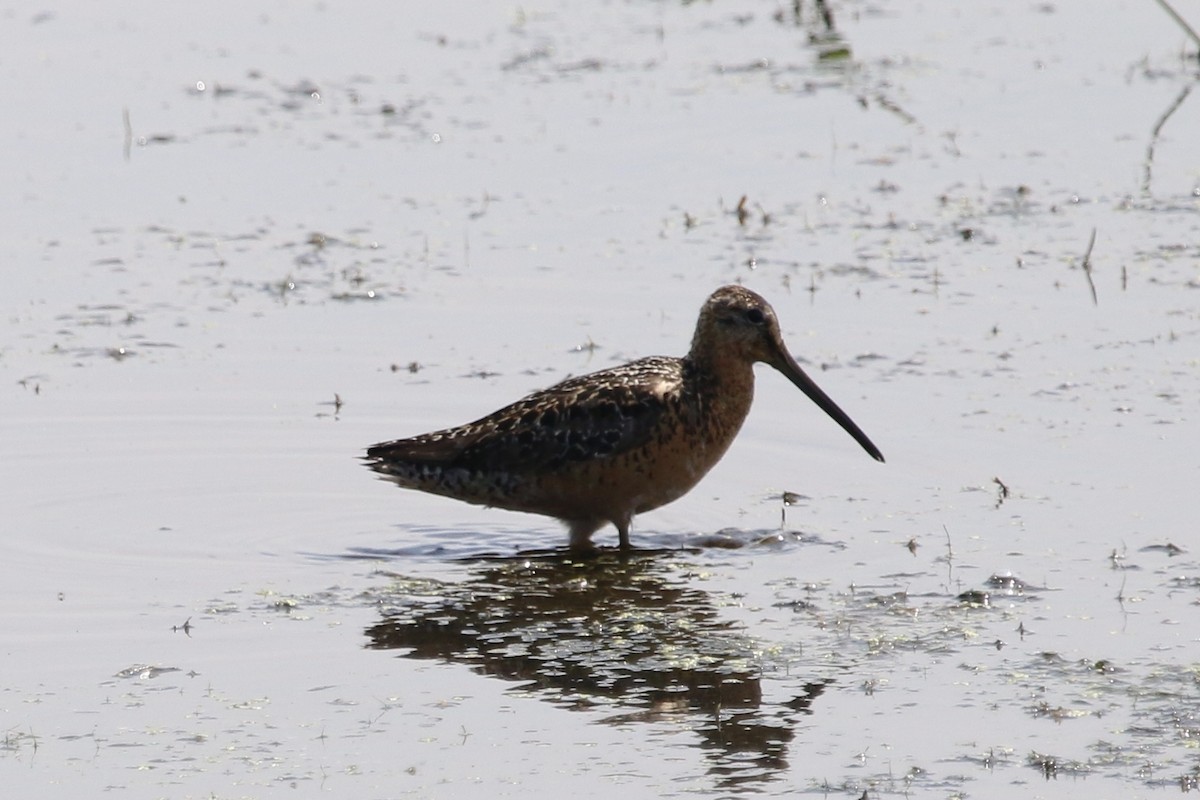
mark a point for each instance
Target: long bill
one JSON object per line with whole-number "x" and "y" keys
{"x": 788, "y": 366}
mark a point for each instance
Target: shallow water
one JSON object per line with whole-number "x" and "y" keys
{"x": 323, "y": 228}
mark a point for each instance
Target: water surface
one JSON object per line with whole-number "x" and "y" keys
{"x": 246, "y": 242}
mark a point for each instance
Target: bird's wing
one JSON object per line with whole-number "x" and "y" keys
{"x": 592, "y": 416}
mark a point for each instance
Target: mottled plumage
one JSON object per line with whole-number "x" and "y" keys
{"x": 602, "y": 447}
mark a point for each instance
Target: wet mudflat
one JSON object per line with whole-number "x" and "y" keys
{"x": 244, "y": 244}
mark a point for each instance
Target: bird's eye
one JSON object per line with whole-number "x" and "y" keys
{"x": 755, "y": 316}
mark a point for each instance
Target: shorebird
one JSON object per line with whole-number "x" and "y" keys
{"x": 600, "y": 448}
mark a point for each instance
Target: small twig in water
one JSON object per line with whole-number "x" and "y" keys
{"x": 1003, "y": 493}
{"x": 1148, "y": 165}
{"x": 1180, "y": 21}
{"x": 742, "y": 212}
{"x": 826, "y": 14}
{"x": 127, "y": 144}
{"x": 789, "y": 499}
{"x": 337, "y": 404}
{"x": 949, "y": 560}
{"x": 1087, "y": 267}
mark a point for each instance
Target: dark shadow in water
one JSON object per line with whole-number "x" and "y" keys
{"x": 615, "y": 631}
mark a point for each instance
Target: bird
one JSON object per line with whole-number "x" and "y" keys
{"x": 600, "y": 448}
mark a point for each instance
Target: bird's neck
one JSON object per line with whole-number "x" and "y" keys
{"x": 726, "y": 379}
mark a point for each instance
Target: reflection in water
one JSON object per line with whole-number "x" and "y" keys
{"x": 605, "y": 631}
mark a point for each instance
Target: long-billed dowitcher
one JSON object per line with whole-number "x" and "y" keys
{"x": 603, "y": 447}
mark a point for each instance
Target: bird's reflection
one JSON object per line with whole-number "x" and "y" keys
{"x": 619, "y": 632}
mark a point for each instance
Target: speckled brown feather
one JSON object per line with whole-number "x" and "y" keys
{"x": 602, "y": 447}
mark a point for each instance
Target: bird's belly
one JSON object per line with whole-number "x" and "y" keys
{"x": 624, "y": 484}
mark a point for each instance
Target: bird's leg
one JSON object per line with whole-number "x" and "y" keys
{"x": 580, "y": 531}
{"x": 623, "y": 531}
